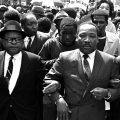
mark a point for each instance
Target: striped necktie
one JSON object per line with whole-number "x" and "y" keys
{"x": 29, "y": 43}
{"x": 86, "y": 65}
{"x": 9, "y": 70}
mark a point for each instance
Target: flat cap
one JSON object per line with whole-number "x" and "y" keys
{"x": 38, "y": 10}
{"x": 3, "y": 8}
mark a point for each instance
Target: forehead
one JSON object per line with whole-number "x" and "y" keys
{"x": 87, "y": 28}
{"x": 31, "y": 17}
{"x": 99, "y": 18}
{"x": 69, "y": 29}
{"x": 104, "y": 5}
{"x": 13, "y": 34}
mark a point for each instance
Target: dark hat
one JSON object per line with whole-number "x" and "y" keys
{"x": 59, "y": 16}
{"x": 3, "y": 8}
{"x": 99, "y": 12}
{"x": 38, "y": 10}
{"x": 70, "y": 11}
{"x": 12, "y": 25}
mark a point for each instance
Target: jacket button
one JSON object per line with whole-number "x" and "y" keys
{"x": 10, "y": 105}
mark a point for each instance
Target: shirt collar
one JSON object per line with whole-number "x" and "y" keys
{"x": 17, "y": 56}
{"x": 32, "y": 37}
{"x": 91, "y": 55}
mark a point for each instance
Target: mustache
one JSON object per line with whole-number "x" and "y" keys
{"x": 86, "y": 44}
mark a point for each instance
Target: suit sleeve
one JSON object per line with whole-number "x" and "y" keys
{"x": 114, "y": 75}
{"x": 56, "y": 73}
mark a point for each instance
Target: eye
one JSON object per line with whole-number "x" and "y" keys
{"x": 92, "y": 35}
{"x": 82, "y": 35}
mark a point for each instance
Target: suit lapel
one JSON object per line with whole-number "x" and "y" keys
{"x": 96, "y": 67}
{"x": 2, "y": 59}
{"x": 80, "y": 67}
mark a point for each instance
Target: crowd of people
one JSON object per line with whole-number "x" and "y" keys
{"x": 60, "y": 64}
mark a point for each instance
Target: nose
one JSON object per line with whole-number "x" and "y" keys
{"x": 98, "y": 24}
{"x": 87, "y": 39}
{"x": 34, "y": 26}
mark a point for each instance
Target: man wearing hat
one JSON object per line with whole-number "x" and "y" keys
{"x": 20, "y": 77}
{"x": 58, "y": 17}
{"x": 38, "y": 11}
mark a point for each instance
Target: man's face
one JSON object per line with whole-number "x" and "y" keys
{"x": 13, "y": 42}
{"x": 87, "y": 38}
{"x": 101, "y": 23}
{"x": 68, "y": 35}
{"x": 31, "y": 25}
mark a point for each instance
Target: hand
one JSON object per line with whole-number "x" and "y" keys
{"x": 115, "y": 83}
{"x": 51, "y": 87}
{"x": 63, "y": 111}
{"x": 99, "y": 93}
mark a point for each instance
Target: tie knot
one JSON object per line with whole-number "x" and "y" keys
{"x": 85, "y": 56}
{"x": 30, "y": 39}
{"x": 11, "y": 57}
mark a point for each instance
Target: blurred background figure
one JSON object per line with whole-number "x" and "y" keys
{"x": 44, "y": 25}
{"x": 109, "y": 7}
{"x": 38, "y": 11}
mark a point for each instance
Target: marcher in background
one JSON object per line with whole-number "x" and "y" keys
{"x": 34, "y": 39}
{"x": 38, "y": 11}
{"x": 109, "y": 7}
{"x": 44, "y": 25}
{"x": 108, "y": 42}
{"x": 11, "y": 15}
{"x": 50, "y": 52}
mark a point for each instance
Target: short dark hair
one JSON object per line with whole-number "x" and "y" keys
{"x": 68, "y": 21}
{"x": 90, "y": 23}
{"x": 44, "y": 24}
{"x": 24, "y": 17}
{"x": 50, "y": 16}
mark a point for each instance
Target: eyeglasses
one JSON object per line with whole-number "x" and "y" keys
{"x": 11, "y": 40}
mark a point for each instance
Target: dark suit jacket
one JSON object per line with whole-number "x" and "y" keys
{"x": 68, "y": 71}
{"x": 26, "y": 97}
{"x": 39, "y": 40}
{"x": 115, "y": 105}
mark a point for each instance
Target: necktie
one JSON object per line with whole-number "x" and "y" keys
{"x": 86, "y": 65}
{"x": 29, "y": 43}
{"x": 10, "y": 69}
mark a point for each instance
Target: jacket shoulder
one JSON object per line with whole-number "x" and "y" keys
{"x": 69, "y": 53}
{"x": 30, "y": 54}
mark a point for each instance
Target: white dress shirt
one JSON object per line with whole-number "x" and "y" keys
{"x": 90, "y": 59}
{"x": 16, "y": 69}
{"x": 26, "y": 40}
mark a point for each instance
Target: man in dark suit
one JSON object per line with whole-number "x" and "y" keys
{"x": 34, "y": 39}
{"x": 85, "y": 74}
{"x": 20, "y": 77}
